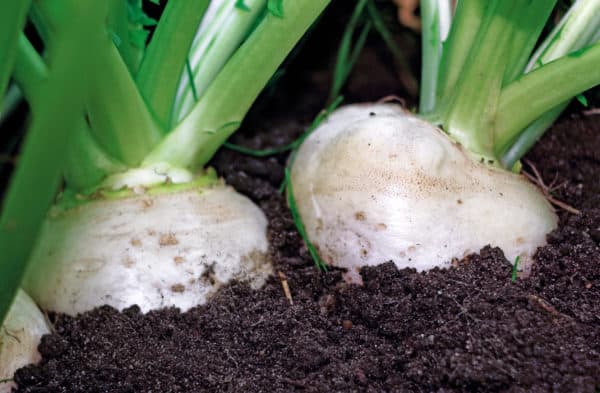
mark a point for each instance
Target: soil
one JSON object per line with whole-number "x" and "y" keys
{"x": 470, "y": 328}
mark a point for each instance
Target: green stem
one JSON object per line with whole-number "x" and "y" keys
{"x": 463, "y": 31}
{"x": 219, "y": 112}
{"x": 166, "y": 55}
{"x": 39, "y": 21}
{"x": 212, "y": 48}
{"x": 42, "y": 156}
{"x": 530, "y": 136}
{"x": 119, "y": 117}
{"x": 12, "y": 20}
{"x": 539, "y": 91}
{"x": 48, "y": 17}
{"x": 118, "y": 23}
{"x": 507, "y": 30}
{"x": 472, "y": 106}
{"x": 578, "y": 27}
{"x": 30, "y": 70}
{"x": 86, "y": 164}
{"x": 434, "y": 15}
{"x": 534, "y": 16}
{"x": 121, "y": 122}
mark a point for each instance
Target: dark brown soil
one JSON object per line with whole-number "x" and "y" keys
{"x": 467, "y": 329}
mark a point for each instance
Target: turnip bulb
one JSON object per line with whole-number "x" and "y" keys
{"x": 375, "y": 183}
{"x": 158, "y": 248}
{"x": 19, "y": 338}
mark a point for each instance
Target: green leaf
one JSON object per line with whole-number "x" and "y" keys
{"x": 514, "y": 269}
{"x": 134, "y": 24}
{"x": 12, "y": 19}
{"x": 136, "y": 15}
{"x": 138, "y": 37}
{"x": 239, "y": 4}
{"x": 582, "y": 99}
{"x": 321, "y": 265}
{"x": 275, "y": 7}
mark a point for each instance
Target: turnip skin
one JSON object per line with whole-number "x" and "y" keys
{"x": 154, "y": 250}
{"x": 19, "y": 338}
{"x": 375, "y": 183}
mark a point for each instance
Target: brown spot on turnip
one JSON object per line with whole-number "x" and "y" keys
{"x": 381, "y": 227}
{"x": 178, "y": 288}
{"x": 459, "y": 201}
{"x": 363, "y": 252}
{"x": 151, "y": 232}
{"x": 146, "y": 203}
{"x": 167, "y": 239}
{"x": 520, "y": 240}
{"x": 178, "y": 260}
{"x": 412, "y": 249}
{"x": 136, "y": 242}
{"x": 360, "y": 216}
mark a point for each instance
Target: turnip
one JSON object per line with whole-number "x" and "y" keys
{"x": 19, "y": 337}
{"x": 155, "y": 250}
{"x": 375, "y": 182}
{"x": 139, "y": 219}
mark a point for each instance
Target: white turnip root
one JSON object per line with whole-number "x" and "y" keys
{"x": 155, "y": 250}
{"x": 375, "y": 183}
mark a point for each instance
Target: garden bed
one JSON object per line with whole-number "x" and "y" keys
{"x": 469, "y": 328}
